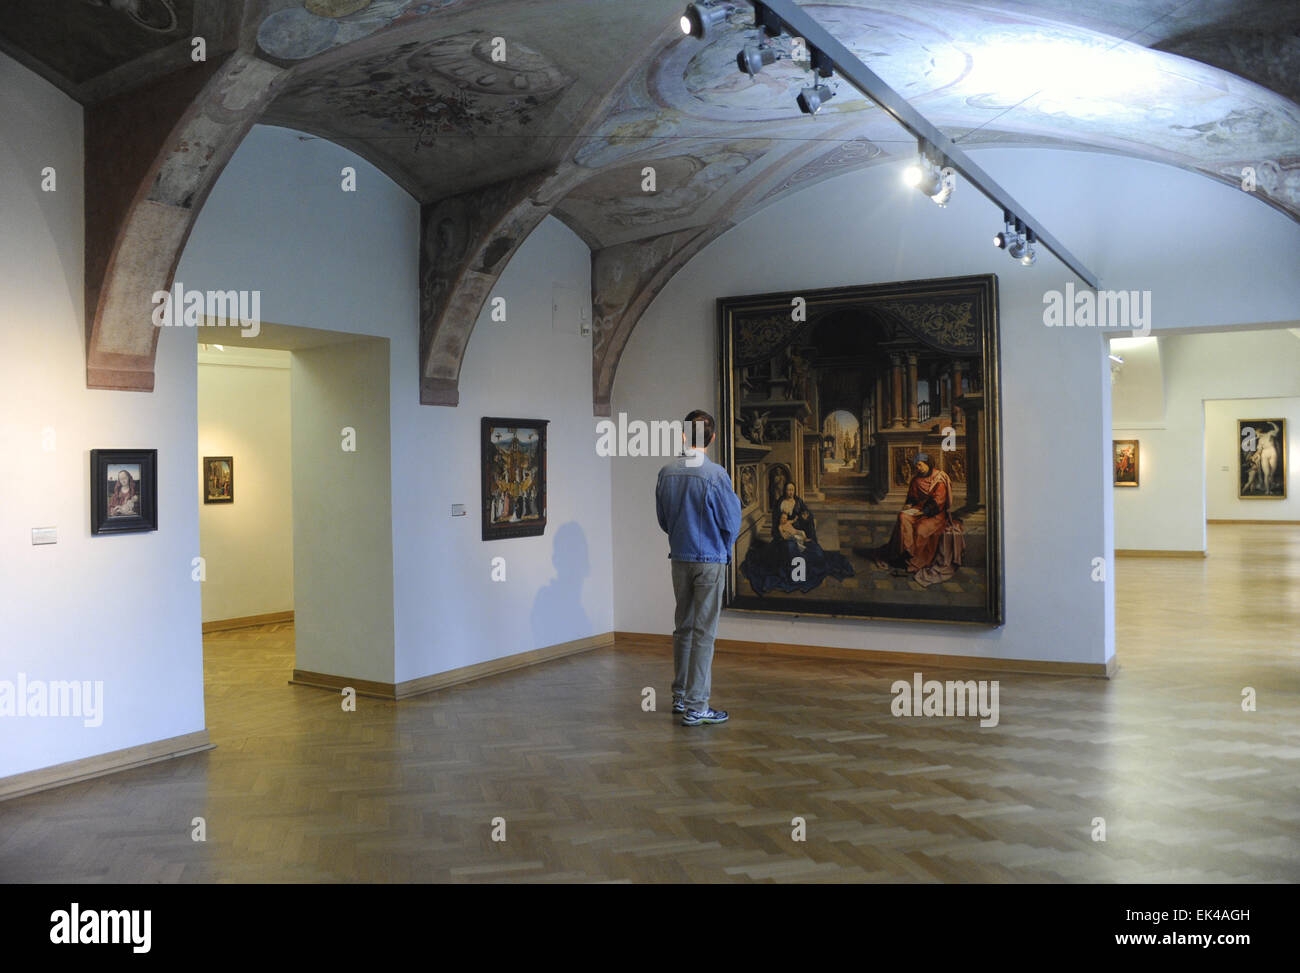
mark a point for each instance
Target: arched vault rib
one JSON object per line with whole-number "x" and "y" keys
{"x": 152, "y": 156}
{"x": 624, "y": 280}
{"x": 465, "y": 243}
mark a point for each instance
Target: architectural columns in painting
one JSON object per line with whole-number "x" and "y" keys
{"x": 910, "y": 390}
{"x": 896, "y": 390}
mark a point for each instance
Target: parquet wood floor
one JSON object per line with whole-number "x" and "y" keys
{"x": 1192, "y": 789}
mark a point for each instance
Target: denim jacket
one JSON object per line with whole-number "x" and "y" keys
{"x": 698, "y": 510}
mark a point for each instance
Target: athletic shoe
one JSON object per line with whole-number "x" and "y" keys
{"x": 679, "y": 704}
{"x": 696, "y": 717}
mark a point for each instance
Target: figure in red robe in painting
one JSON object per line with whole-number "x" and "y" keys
{"x": 918, "y": 543}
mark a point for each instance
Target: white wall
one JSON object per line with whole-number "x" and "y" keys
{"x": 277, "y": 221}
{"x": 1168, "y": 509}
{"x": 342, "y": 510}
{"x": 1222, "y": 452}
{"x": 1135, "y": 224}
{"x": 121, "y": 609}
{"x": 248, "y": 545}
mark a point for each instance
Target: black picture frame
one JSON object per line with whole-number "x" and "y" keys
{"x": 141, "y": 468}
{"x": 209, "y": 497}
{"x": 519, "y": 508}
{"x": 867, "y": 341}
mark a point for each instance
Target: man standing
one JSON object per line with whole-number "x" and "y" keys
{"x": 700, "y": 513}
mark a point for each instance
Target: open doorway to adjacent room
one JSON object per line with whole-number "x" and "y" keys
{"x": 294, "y": 501}
{"x": 1206, "y": 512}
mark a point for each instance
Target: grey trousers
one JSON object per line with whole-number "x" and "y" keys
{"x": 698, "y": 588}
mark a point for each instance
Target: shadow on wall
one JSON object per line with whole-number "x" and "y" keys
{"x": 558, "y": 615}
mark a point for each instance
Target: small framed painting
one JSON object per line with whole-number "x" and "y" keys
{"x": 1124, "y": 453}
{"x": 123, "y": 490}
{"x": 514, "y": 478}
{"x": 218, "y": 479}
{"x": 1261, "y": 460}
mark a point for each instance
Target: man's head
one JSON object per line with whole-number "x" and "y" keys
{"x": 699, "y": 429}
{"x": 922, "y": 463}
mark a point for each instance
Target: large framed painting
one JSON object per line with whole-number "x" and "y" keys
{"x": 1261, "y": 460}
{"x": 123, "y": 490}
{"x": 514, "y": 478}
{"x": 1125, "y": 454}
{"x": 218, "y": 479}
{"x": 861, "y": 428}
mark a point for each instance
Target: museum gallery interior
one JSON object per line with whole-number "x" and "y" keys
{"x": 343, "y": 341}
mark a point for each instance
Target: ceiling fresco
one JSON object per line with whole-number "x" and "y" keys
{"x": 494, "y": 114}
{"x": 603, "y": 85}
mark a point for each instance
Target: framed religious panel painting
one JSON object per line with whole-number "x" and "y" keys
{"x": 514, "y": 478}
{"x": 862, "y": 428}
{"x": 1125, "y": 454}
{"x": 1261, "y": 459}
{"x": 123, "y": 490}
{"x": 218, "y": 479}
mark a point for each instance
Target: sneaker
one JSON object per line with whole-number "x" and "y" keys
{"x": 697, "y": 717}
{"x": 679, "y": 704}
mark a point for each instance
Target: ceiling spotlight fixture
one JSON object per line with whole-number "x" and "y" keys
{"x": 812, "y": 99}
{"x": 1016, "y": 239}
{"x": 753, "y": 59}
{"x": 927, "y": 176}
{"x": 1003, "y": 240}
{"x": 700, "y": 18}
{"x": 821, "y": 64}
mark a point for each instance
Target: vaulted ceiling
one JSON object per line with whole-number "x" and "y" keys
{"x": 496, "y": 113}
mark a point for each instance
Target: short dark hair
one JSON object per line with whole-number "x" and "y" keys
{"x": 706, "y": 420}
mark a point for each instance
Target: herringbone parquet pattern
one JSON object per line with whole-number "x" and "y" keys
{"x": 592, "y": 788}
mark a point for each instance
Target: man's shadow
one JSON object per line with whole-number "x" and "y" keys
{"x": 558, "y": 615}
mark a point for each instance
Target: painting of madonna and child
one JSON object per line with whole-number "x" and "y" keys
{"x": 861, "y": 429}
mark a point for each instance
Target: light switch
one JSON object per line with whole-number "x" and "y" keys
{"x": 458, "y": 510}
{"x": 45, "y": 535}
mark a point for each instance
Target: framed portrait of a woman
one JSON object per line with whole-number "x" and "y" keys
{"x": 123, "y": 490}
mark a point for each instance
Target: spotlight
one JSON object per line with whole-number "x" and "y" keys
{"x": 699, "y": 19}
{"x": 1000, "y": 240}
{"x": 812, "y": 99}
{"x": 753, "y": 59}
{"x": 926, "y": 176}
{"x": 1029, "y": 256}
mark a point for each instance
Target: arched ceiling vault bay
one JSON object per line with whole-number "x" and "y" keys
{"x": 592, "y": 91}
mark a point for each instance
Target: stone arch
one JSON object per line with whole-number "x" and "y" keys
{"x": 152, "y": 156}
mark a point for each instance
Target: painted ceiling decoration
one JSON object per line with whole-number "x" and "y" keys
{"x": 590, "y": 92}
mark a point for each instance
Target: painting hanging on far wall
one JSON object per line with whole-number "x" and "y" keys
{"x": 514, "y": 478}
{"x": 1261, "y": 457}
{"x": 123, "y": 490}
{"x": 1125, "y": 454}
{"x": 861, "y": 428}
{"x": 218, "y": 479}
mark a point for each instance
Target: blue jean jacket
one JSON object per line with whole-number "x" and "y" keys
{"x": 698, "y": 509}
